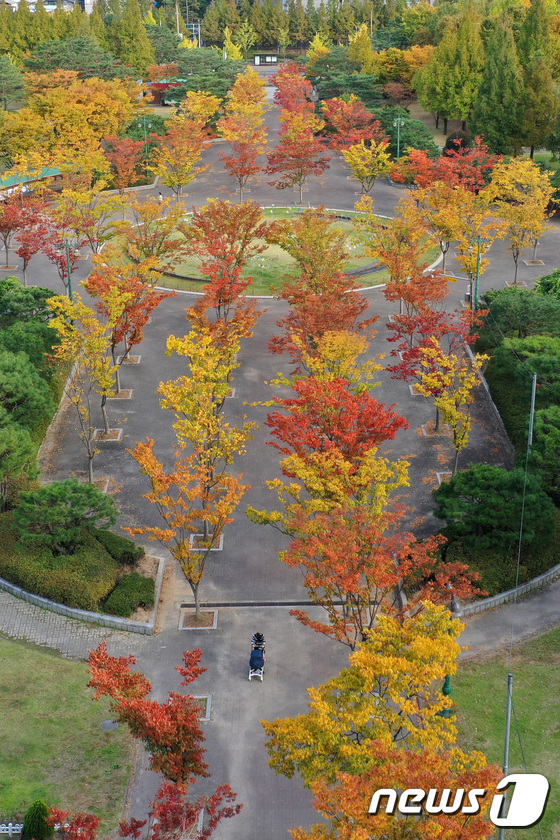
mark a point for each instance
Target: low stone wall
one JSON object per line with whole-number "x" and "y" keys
{"x": 503, "y": 597}
{"x": 144, "y": 627}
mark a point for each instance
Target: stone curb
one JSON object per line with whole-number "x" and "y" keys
{"x": 511, "y": 594}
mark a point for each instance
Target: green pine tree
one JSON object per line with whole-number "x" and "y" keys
{"x": 134, "y": 46}
{"x": 212, "y": 29}
{"x": 534, "y": 34}
{"x": 11, "y": 82}
{"x": 78, "y": 22}
{"x": 35, "y": 822}
{"x": 498, "y": 110}
{"x": 257, "y": 21}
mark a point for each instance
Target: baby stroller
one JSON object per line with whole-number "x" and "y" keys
{"x": 258, "y": 658}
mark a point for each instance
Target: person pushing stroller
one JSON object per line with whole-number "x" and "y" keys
{"x": 258, "y": 657}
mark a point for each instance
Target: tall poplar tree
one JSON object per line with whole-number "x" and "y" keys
{"x": 21, "y": 40}
{"x": 42, "y": 24}
{"x": 498, "y": 110}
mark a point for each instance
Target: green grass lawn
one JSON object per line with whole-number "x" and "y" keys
{"x": 269, "y": 268}
{"x": 53, "y": 747}
{"x": 479, "y": 691}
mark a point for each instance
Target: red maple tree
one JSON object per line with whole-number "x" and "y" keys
{"x": 328, "y": 415}
{"x": 299, "y": 152}
{"x": 293, "y": 90}
{"x": 170, "y": 731}
{"x": 351, "y": 122}
{"x": 125, "y": 156}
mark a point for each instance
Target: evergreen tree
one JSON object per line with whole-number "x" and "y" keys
{"x": 78, "y": 22}
{"x": 98, "y": 27}
{"x": 312, "y": 19}
{"x": 6, "y": 27}
{"x": 21, "y": 36}
{"x": 212, "y": 29}
{"x": 432, "y": 82}
{"x": 42, "y": 24}
{"x": 534, "y": 34}
{"x": 60, "y": 27}
{"x": 134, "y": 46}
{"x": 232, "y": 17}
{"x": 297, "y": 23}
{"x": 468, "y": 65}
{"x": 542, "y": 104}
{"x": 258, "y": 23}
{"x": 11, "y": 82}
{"x": 35, "y": 822}
{"x": 498, "y": 109}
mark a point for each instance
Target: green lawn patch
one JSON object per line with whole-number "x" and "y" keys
{"x": 53, "y": 747}
{"x": 479, "y": 691}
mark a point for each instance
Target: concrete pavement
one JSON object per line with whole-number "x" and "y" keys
{"x": 248, "y": 569}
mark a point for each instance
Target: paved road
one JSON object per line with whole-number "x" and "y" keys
{"x": 248, "y": 569}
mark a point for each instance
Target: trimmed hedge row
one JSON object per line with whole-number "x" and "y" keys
{"x": 85, "y": 579}
{"x": 132, "y": 591}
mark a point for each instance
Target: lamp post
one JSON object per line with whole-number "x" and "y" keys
{"x": 398, "y": 121}
{"x": 474, "y": 302}
{"x": 140, "y": 124}
{"x": 454, "y": 609}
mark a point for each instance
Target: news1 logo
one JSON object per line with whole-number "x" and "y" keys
{"x": 526, "y": 806}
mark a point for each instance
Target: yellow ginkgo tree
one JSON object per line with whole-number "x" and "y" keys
{"x": 368, "y": 162}
{"x": 450, "y": 381}
{"x": 85, "y": 339}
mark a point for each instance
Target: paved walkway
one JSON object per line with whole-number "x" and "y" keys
{"x": 248, "y": 570}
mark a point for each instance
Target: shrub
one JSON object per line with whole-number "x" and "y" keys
{"x": 121, "y": 549}
{"x": 81, "y": 580}
{"x": 56, "y": 514}
{"x": 482, "y": 509}
{"x": 35, "y": 826}
{"x": 132, "y": 591}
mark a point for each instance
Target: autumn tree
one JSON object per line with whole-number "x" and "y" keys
{"x": 368, "y": 163}
{"x": 379, "y": 714}
{"x": 522, "y": 194}
{"x": 322, "y": 298}
{"x": 439, "y": 214}
{"x": 226, "y": 237}
{"x": 170, "y": 731}
{"x": 450, "y": 380}
{"x": 298, "y": 153}
{"x": 177, "y": 154}
{"x": 86, "y": 213}
{"x": 153, "y": 231}
{"x": 398, "y": 245}
{"x": 351, "y": 122}
{"x": 11, "y": 221}
{"x": 293, "y": 90}
{"x": 126, "y": 296}
{"x": 478, "y": 230}
{"x": 242, "y": 126}
{"x": 33, "y": 234}
{"x": 125, "y": 157}
{"x": 85, "y": 342}
{"x": 199, "y": 495}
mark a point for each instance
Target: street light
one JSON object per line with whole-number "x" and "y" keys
{"x": 149, "y": 125}
{"x": 60, "y": 251}
{"x": 455, "y": 610}
{"x": 398, "y": 121}
{"x": 479, "y": 240}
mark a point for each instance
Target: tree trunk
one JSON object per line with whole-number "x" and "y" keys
{"x": 444, "y": 249}
{"x": 194, "y": 588}
{"x": 90, "y": 467}
{"x": 455, "y": 462}
{"x": 7, "y": 257}
{"x": 535, "y": 246}
{"x": 300, "y": 197}
{"x": 445, "y": 126}
{"x": 532, "y": 152}
{"x": 25, "y": 271}
{"x": 437, "y": 120}
{"x": 463, "y": 125}
{"x": 516, "y": 262}
{"x": 437, "y": 419}
{"x": 104, "y": 413}
{"x": 118, "y": 379}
